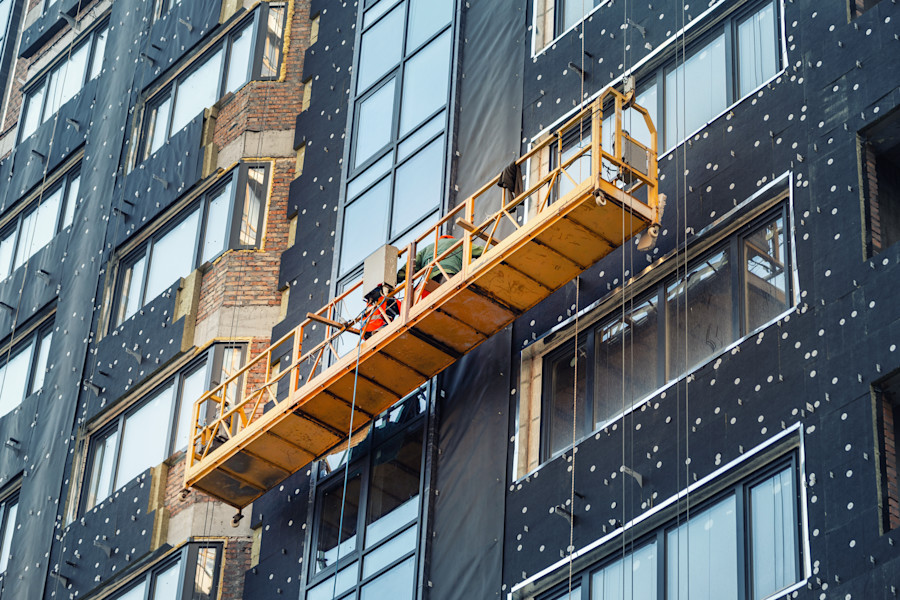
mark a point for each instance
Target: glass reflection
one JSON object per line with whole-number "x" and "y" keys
{"x": 9, "y": 528}
{"x": 14, "y": 378}
{"x": 373, "y": 126}
{"x": 699, "y": 313}
{"x": 426, "y": 17}
{"x": 394, "y": 487}
{"x": 417, "y": 189}
{"x": 274, "y": 37}
{"x": 365, "y": 224}
{"x": 630, "y": 578}
{"x": 757, "y": 49}
{"x": 425, "y": 82}
{"x": 197, "y": 91}
{"x": 396, "y": 584}
{"x": 337, "y": 537}
{"x": 626, "y": 352}
{"x": 701, "y": 556}
{"x": 695, "y": 91}
{"x": 765, "y": 285}
{"x": 239, "y": 60}
{"x": 254, "y": 202}
{"x": 215, "y": 234}
{"x": 381, "y": 48}
{"x": 102, "y": 467}
{"x": 205, "y": 574}
{"x": 144, "y": 437}
{"x": 192, "y": 387}
{"x": 774, "y": 534}
{"x": 561, "y": 376}
{"x": 172, "y": 255}
{"x": 165, "y": 584}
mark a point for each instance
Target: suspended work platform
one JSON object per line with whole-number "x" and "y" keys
{"x": 291, "y": 404}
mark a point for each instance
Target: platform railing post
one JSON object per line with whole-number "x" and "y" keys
{"x": 596, "y": 141}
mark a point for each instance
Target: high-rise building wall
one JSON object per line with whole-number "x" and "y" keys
{"x": 183, "y": 182}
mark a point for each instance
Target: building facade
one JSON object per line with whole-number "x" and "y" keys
{"x": 185, "y": 181}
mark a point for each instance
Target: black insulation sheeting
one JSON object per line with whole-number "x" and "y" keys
{"x": 466, "y": 554}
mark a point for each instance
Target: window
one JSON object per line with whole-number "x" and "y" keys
{"x": 552, "y": 18}
{"x": 223, "y": 69}
{"x": 880, "y": 167}
{"x": 192, "y": 574}
{"x": 729, "y": 62}
{"x": 161, "y": 7}
{"x": 396, "y": 171}
{"x": 39, "y": 218}
{"x": 743, "y": 545}
{"x": 63, "y": 80}
{"x": 9, "y": 508}
{"x": 667, "y": 330}
{"x": 887, "y": 402}
{"x": 230, "y": 215}
{"x": 157, "y": 426}
{"x": 375, "y": 548}
{"x": 23, "y": 365}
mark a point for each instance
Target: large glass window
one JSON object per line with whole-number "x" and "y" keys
{"x": 726, "y": 64}
{"x": 63, "y": 80}
{"x": 158, "y": 425}
{"x": 191, "y": 574}
{"x": 23, "y": 366}
{"x": 668, "y": 330}
{"x": 230, "y": 215}
{"x": 9, "y": 509}
{"x": 700, "y": 555}
{"x": 552, "y": 18}
{"x": 37, "y": 221}
{"x": 251, "y": 50}
{"x": 368, "y": 529}
{"x": 397, "y": 147}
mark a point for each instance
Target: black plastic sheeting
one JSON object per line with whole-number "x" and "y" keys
{"x": 465, "y": 559}
{"x": 466, "y": 554}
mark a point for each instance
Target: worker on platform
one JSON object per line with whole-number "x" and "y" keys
{"x": 387, "y": 309}
{"x": 451, "y": 264}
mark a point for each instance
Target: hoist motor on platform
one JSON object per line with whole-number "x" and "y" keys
{"x": 487, "y": 261}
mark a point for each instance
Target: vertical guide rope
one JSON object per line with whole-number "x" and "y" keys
{"x": 337, "y": 558}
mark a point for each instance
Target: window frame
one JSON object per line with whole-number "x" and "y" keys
{"x": 728, "y": 27}
{"x": 368, "y": 172}
{"x": 361, "y": 462}
{"x": 210, "y": 359}
{"x": 733, "y": 243}
{"x": 39, "y": 83}
{"x": 255, "y": 21}
{"x": 11, "y": 496}
{"x": 741, "y": 490}
{"x": 238, "y": 179}
{"x": 187, "y": 554}
{"x": 7, "y": 49}
{"x": 33, "y": 336}
{"x": 12, "y": 224}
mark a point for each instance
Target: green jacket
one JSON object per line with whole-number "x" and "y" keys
{"x": 452, "y": 264}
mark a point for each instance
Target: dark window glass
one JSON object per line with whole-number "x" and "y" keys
{"x": 880, "y": 154}
{"x": 766, "y": 277}
{"x": 337, "y": 535}
{"x": 626, "y": 354}
{"x": 699, "y": 313}
{"x": 560, "y": 374}
{"x": 394, "y": 486}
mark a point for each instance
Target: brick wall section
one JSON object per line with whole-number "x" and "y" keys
{"x": 870, "y": 176}
{"x": 270, "y": 105}
{"x": 20, "y": 73}
{"x": 237, "y": 561}
{"x": 892, "y": 491}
